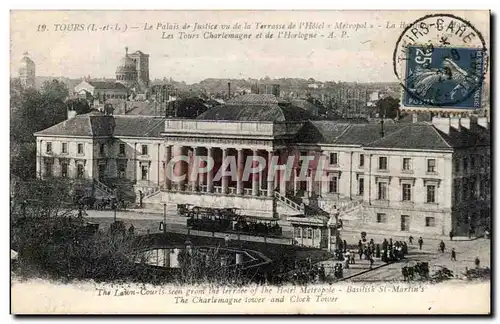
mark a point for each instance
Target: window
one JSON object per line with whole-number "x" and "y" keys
{"x": 361, "y": 160}
{"x": 382, "y": 163}
{"x": 144, "y": 172}
{"x": 431, "y": 165}
{"x": 298, "y": 232}
{"x": 80, "y": 170}
{"x": 382, "y": 191}
{"x": 465, "y": 164}
{"x": 101, "y": 149}
{"x": 80, "y": 148}
{"x": 64, "y": 148}
{"x": 334, "y": 158}
{"x": 309, "y": 233}
{"x": 406, "y": 164}
{"x": 48, "y": 169}
{"x": 361, "y": 186}
{"x": 122, "y": 168}
{"x": 381, "y": 218}
{"x": 431, "y": 194}
{"x": 64, "y": 170}
{"x": 48, "y": 147}
{"x": 334, "y": 184}
{"x": 430, "y": 222}
{"x": 406, "y": 192}
{"x": 144, "y": 150}
{"x": 122, "y": 149}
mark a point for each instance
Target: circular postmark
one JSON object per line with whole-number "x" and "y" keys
{"x": 441, "y": 61}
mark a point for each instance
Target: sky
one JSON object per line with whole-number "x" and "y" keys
{"x": 363, "y": 55}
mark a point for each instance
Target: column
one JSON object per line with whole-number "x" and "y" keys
{"x": 270, "y": 174}
{"x": 239, "y": 181}
{"x": 167, "y": 173}
{"x": 255, "y": 183}
{"x": 201, "y": 176}
{"x": 194, "y": 169}
{"x": 224, "y": 167}
{"x": 310, "y": 183}
{"x": 294, "y": 181}
{"x": 210, "y": 172}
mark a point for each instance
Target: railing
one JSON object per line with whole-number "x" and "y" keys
{"x": 289, "y": 202}
{"x": 103, "y": 187}
{"x": 247, "y": 191}
{"x": 151, "y": 191}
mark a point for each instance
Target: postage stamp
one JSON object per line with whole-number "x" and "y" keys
{"x": 441, "y": 61}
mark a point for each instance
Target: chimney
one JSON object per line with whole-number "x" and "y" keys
{"x": 442, "y": 124}
{"x": 483, "y": 122}
{"x": 414, "y": 117}
{"x": 455, "y": 123}
{"x": 229, "y": 89}
{"x": 470, "y": 123}
{"x": 71, "y": 114}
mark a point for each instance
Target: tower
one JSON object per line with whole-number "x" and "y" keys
{"x": 126, "y": 72}
{"x": 27, "y": 71}
{"x": 142, "y": 67}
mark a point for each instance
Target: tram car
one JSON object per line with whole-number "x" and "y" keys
{"x": 211, "y": 219}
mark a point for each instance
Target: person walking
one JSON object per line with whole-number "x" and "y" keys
{"x": 451, "y": 235}
{"x": 453, "y": 255}
{"x": 442, "y": 246}
{"x": 345, "y": 246}
{"x": 410, "y": 239}
{"x": 477, "y": 262}
{"x": 420, "y": 243}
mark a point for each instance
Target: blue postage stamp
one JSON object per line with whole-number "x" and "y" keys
{"x": 444, "y": 77}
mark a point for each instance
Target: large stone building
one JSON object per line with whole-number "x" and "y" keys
{"x": 27, "y": 72}
{"x": 422, "y": 178}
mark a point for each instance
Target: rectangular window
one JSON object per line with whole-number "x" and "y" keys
{"x": 122, "y": 168}
{"x": 382, "y": 163}
{"x": 406, "y": 164}
{"x": 64, "y": 170}
{"x": 334, "y": 159}
{"x": 101, "y": 149}
{"x": 309, "y": 233}
{"x": 144, "y": 150}
{"x": 406, "y": 192}
{"x": 80, "y": 171}
{"x": 48, "y": 147}
{"x": 431, "y": 194}
{"x": 361, "y": 186}
{"x": 361, "y": 160}
{"x": 144, "y": 172}
{"x": 381, "y": 218}
{"x": 80, "y": 148}
{"x": 298, "y": 232}
{"x": 382, "y": 191}
{"x": 334, "y": 184}
{"x": 122, "y": 149}
{"x": 431, "y": 165}
{"x": 64, "y": 148}
{"x": 48, "y": 169}
{"x": 430, "y": 222}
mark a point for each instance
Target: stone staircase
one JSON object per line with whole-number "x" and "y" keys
{"x": 288, "y": 206}
{"x": 102, "y": 191}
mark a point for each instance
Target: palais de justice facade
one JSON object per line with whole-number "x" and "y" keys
{"x": 422, "y": 178}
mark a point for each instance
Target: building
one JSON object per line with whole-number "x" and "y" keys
{"x": 426, "y": 178}
{"x": 101, "y": 91}
{"x": 27, "y": 72}
{"x": 133, "y": 71}
{"x": 142, "y": 67}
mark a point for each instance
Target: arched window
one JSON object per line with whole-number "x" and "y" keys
{"x": 309, "y": 233}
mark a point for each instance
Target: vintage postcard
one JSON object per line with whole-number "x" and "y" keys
{"x": 250, "y": 162}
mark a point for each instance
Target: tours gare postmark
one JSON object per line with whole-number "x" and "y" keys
{"x": 441, "y": 61}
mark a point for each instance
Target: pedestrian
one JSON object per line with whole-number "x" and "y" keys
{"x": 345, "y": 246}
{"x": 442, "y": 246}
{"x": 360, "y": 245}
{"x": 420, "y": 243}
{"x": 226, "y": 240}
{"x": 390, "y": 244}
{"x": 360, "y": 253}
{"x": 477, "y": 262}
{"x": 371, "y": 262}
{"x": 451, "y": 235}
{"x": 453, "y": 255}
{"x": 410, "y": 239}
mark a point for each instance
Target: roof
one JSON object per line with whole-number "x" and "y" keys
{"x": 107, "y": 85}
{"x": 256, "y": 107}
{"x": 97, "y": 124}
{"x": 396, "y": 136}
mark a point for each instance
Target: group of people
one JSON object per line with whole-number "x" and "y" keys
{"x": 260, "y": 228}
{"x": 100, "y": 204}
{"x": 393, "y": 251}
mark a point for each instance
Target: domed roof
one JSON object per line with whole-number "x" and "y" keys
{"x": 126, "y": 64}
{"x": 26, "y": 61}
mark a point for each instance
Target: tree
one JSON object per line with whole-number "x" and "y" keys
{"x": 387, "y": 107}
{"x": 80, "y": 105}
{"x": 55, "y": 89}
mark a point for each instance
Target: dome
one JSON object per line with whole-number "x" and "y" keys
{"x": 26, "y": 61}
{"x": 126, "y": 64}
